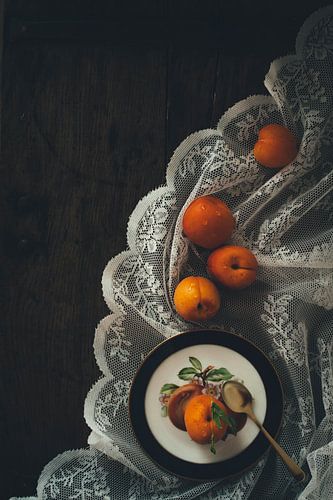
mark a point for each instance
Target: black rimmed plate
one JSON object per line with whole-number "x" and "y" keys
{"x": 172, "y": 448}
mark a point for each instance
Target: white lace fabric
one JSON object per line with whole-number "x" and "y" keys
{"x": 285, "y": 218}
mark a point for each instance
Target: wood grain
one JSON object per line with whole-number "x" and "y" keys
{"x": 191, "y": 87}
{"x": 87, "y": 130}
{"x": 84, "y": 141}
{"x": 237, "y": 78}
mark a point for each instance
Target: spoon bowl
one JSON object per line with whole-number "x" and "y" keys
{"x": 236, "y": 396}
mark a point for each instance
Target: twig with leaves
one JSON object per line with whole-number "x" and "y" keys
{"x": 220, "y": 416}
{"x": 210, "y": 373}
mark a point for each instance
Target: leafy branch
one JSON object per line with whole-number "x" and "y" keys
{"x": 210, "y": 373}
{"x": 220, "y": 416}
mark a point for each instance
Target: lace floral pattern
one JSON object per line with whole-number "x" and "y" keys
{"x": 288, "y": 339}
{"x": 285, "y": 218}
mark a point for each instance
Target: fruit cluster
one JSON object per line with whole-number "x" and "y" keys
{"x": 208, "y": 222}
{"x": 198, "y": 407}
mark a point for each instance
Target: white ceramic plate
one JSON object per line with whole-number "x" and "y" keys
{"x": 172, "y": 448}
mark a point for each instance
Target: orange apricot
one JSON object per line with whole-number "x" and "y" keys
{"x": 208, "y": 222}
{"x": 276, "y": 146}
{"x": 199, "y": 420}
{"x": 196, "y": 298}
{"x": 233, "y": 266}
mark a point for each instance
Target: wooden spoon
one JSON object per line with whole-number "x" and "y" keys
{"x": 239, "y": 399}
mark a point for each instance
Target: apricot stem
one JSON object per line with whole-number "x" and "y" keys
{"x": 203, "y": 375}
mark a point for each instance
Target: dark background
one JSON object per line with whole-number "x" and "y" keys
{"x": 95, "y": 97}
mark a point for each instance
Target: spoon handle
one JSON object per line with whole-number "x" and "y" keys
{"x": 295, "y": 469}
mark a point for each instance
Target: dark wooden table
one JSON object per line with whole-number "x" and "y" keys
{"x": 95, "y": 98}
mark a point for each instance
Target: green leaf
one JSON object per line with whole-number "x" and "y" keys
{"x": 212, "y": 444}
{"x": 185, "y": 376}
{"x": 218, "y": 414}
{"x": 216, "y": 418}
{"x": 187, "y": 373}
{"x": 168, "y": 388}
{"x": 218, "y": 378}
{"x": 221, "y": 413}
{"x": 196, "y": 363}
{"x": 216, "y": 375}
{"x": 164, "y": 411}
{"x": 232, "y": 425}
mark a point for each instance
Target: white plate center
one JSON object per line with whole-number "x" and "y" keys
{"x": 178, "y": 442}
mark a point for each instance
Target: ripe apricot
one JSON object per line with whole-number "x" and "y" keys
{"x": 233, "y": 266}
{"x": 196, "y": 298}
{"x": 179, "y": 401}
{"x": 199, "y": 419}
{"x": 276, "y": 146}
{"x": 208, "y": 222}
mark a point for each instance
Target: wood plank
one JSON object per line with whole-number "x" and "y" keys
{"x": 1, "y": 50}
{"x": 191, "y": 88}
{"x": 77, "y": 9}
{"x": 236, "y": 27}
{"x": 83, "y": 141}
{"x": 152, "y": 32}
{"x": 237, "y": 78}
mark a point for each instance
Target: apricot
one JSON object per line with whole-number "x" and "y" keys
{"x": 196, "y": 298}
{"x": 233, "y": 266}
{"x": 208, "y": 222}
{"x": 179, "y": 401}
{"x": 199, "y": 419}
{"x": 276, "y": 146}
